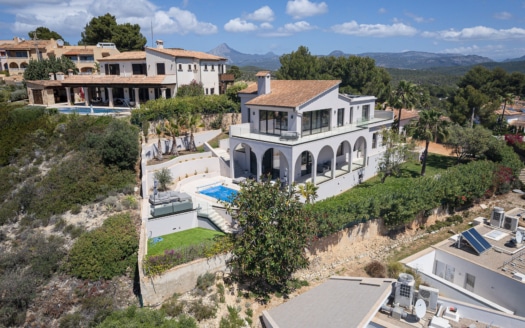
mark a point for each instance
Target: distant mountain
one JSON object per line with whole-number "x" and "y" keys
{"x": 522, "y": 58}
{"x": 268, "y": 61}
{"x": 418, "y": 59}
{"x": 402, "y": 60}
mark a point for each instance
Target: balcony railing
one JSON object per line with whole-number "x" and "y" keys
{"x": 294, "y": 138}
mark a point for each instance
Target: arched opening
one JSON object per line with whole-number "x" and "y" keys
{"x": 324, "y": 169}
{"x": 303, "y": 167}
{"x": 359, "y": 154}
{"x": 343, "y": 158}
{"x": 86, "y": 70}
{"x": 13, "y": 65}
{"x": 271, "y": 164}
{"x": 23, "y": 65}
{"x": 244, "y": 161}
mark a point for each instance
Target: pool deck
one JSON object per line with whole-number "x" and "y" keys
{"x": 192, "y": 188}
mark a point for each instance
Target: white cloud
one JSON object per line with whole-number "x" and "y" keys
{"x": 290, "y": 29}
{"x": 239, "y": 25}
{"x": 418, "y": 19}
{"x": 304, "y": 8}
{"x": 180, "y": 21}
{"x": 462, "y": 50}
{"x": 266, "y": 26}
{"x": 504, "y": 15}
{"x": 264, "y": 14}
{"x": 382, "y": 10}
{"x": 374, "y": 30}
{"x": 478, "y": 33}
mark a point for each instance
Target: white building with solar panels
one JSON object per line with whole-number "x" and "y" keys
{"x": 483, "y": 266}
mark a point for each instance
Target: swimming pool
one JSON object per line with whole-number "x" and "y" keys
{"x": 87, "y": 110}
{"x": 220, "y": 192}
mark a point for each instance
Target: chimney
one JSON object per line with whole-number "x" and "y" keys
{"x": 60, "y": 76}
{"x": 263, "y": 83}
{"x": 51, "y": 76}
{"x": 160, "y": 44}
{"x": 70, "y": 72}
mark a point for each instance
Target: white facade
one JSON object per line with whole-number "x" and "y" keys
{"x": 330, "y": 139}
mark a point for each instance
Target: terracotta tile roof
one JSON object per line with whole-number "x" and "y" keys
{"x": 80, "y": 51}
{"x": 290, "y": 93}
{"x": 508, "y": 112}
{"x": 29, "y": 44}
{"x": 130, "y": 55}
{"x": 406, "y": 114}
{"x": 112, "y": 79}
{"x": 187, "y": 54}
{"x": 45, "y": 83}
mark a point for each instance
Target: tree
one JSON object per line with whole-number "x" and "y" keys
{"x": 273, "y": 234}
{"x": 308, "y": 191}
{"x": 405, "y": 95}
{"x": 299, "y": 65}
{"x": 191, "y": 90}
{"x": 43, "y": 33}
{"x": 164, "y": 178}
{"x": 105, "y": 29}
{"x": 466, "y": 142}
{"x": 40, "y": 69}
{"x": 173, "y": 130}
{"x": 507, "y": 98}
{"x": 160, "y": 133}
{"x": 235, "y": 70}
{"x": 233, "y": 92}
{"x": 120, "y": 145}
{"x": 395, "y": 154}
{"x": 192, "y": 121}
{"x": 428, "y": 127}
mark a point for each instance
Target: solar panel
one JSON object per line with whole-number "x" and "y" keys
{"x": 476, "y": 240}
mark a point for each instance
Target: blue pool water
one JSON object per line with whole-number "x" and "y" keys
{"x": 87, "y": 110}
{"x": 220, "y": 192}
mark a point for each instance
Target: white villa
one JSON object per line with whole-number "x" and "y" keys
{"x": 131, "y": 78}
{"x": 301, "y": 131}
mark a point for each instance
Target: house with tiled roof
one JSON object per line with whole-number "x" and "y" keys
{"x": 134, "y": 77}
{"x": 306, "y": 131}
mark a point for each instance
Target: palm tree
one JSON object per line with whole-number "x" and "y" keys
{"x": 508, "y": 98}
{"x": 172, "y": 129}
{"x": 428, "y": 127}
{"x": 308, "y": 191}
{"x": 192, "y": 121}
{"x": 406, "y": 95}
{"x": 160, "y": 133}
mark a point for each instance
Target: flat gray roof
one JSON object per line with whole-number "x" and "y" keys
{"x": 339, "y": 302}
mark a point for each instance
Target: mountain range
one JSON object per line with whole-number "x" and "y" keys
{"x": 402, "y": 60}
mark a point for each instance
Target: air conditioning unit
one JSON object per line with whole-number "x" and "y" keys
{"x": 404, "y": 287}
{"x": 511, "y": 223}
{"x": 430, "y": 296}
{"x": 497, "y": 216}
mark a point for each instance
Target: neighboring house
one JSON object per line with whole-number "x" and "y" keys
{"x": 4, "y": 66}
{"x": 406, "y": 117}
{"x": 131, "y": 78}
{"x": 300, "y": 131}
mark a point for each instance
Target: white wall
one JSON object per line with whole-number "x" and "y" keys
{"x": 209, "y": 77}
{"x": 154, "y": 57}
{"x": 171, "y": 223}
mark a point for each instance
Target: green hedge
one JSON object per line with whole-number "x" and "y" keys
{"x": 400, "y": 201}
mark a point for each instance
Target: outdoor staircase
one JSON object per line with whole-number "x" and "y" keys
{"x": 217, "y": 219}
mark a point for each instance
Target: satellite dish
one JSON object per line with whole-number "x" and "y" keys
{"x": 60, "y": 42}
{"x": 519, "y": 237}
{"x": 421, "y": 308}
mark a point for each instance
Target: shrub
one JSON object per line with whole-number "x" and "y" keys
{"x": 19, "y": 94}
{"x": 120, "y": 146}
{"x": 173, "y": 307}
{"x": 130, "y": 203}
{"x": 205, "y": 281}
{"x": 71, "y": 320}
{"x": 375, "y": 269}
{"x": 202, "y": 311}
{"x": 232, "y": 320}
{"x": 76, "y": 209}
{"x": 105, "y": 252}
{"x": 154, "y": 265}
{"x": 134, "y": 317}
{"x": 394, "y": 269}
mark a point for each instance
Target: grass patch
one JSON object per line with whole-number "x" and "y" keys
{"x": 182, "y": 239}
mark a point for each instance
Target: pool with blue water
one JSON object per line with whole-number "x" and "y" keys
{"x": 220, "y": 192}
{"x": 88, "y": 110}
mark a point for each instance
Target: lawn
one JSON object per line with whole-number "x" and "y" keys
{"x": 181, "y": 240}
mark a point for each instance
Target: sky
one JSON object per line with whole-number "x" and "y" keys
{"x": 490, "y": 28}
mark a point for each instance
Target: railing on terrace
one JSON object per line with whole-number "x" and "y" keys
{"x": 244, "y": 131}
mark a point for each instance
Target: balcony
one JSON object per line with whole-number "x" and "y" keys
{"x": 292, "y": 138}
{"x": 226, "y": 77}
